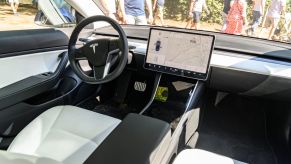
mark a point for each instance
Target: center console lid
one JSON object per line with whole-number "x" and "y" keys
{"x": 134, "y": 140}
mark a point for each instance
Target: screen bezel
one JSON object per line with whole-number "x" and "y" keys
{"x": 199, "y": 75}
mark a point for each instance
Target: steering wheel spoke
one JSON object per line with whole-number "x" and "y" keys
{"x": 103, "y": 71}
{"x": 114, "y": 52}
{"x": 98, "y": 72}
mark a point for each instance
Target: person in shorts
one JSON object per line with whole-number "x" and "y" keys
{"x": 258, "y": 12}
{"x": 158, "y": 8}
{"x": 196, "y": 8}
{"x": 14, "y": 6}
{"x": 133, "y": 12}
{"x": 276, "y": 8}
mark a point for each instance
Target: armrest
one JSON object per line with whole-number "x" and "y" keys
{"x": 134, "y": 140}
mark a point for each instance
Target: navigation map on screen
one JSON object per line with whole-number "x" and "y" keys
{"x": 181, "y": 52}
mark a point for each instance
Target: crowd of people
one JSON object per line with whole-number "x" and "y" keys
{"x": 133, "y": 11}
{"x": 234, "y": 14}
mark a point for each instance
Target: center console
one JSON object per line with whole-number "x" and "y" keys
{"x": 153, "y": 135}
{"x": 135, "y": 140}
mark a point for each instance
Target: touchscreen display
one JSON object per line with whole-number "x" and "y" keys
{"x": 180, "y": 53}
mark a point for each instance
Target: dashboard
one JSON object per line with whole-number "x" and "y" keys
{"x": 239, "y": 65}
{"x": 179, "y": 53}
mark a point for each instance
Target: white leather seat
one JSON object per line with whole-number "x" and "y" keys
{"x": 15, "y": 158}
{"x": 66, "y": 134}
{"x": 197, "y": 156}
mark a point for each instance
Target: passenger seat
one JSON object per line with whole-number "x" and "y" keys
{"x": 197, "y": 156}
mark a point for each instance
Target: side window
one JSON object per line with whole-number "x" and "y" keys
{"x": 35, "y": 14}
{"x": 18, "y": 14}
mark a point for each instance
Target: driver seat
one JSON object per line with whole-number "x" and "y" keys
{"x": 66, "y": 134}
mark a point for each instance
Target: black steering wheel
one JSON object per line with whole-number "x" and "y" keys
{"x": 100, "y": 53}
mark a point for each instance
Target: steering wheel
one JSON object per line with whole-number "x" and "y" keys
{"x": 100, "y": 53}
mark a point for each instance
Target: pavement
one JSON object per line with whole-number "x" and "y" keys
{"x": 25, "y": 20}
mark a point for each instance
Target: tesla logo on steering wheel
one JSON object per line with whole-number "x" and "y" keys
{"x": 93, "y": 46}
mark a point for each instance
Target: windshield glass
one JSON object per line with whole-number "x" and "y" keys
{"x": 267, "y": 19}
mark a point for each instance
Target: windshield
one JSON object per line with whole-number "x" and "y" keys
{"x": 265, "y": 19}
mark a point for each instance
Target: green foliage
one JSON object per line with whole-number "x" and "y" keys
{"x": 288, "y": 7}
{"x": 176, "y": 9}
{"x": 215, "y": 7}
{"x": 179, "y": 9}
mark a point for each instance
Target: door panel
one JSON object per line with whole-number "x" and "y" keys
{"x": 24, "y": 66}
{"x": 34, "y": 77}
{"x": 25, "y": 42}
{"x": 32, "y": 85}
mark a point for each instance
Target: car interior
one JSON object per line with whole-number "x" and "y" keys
{"x": 111, "y": 96}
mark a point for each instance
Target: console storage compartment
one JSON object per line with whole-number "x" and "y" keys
{"x": 137, "y": 139}
{"x": 176, "y": 94}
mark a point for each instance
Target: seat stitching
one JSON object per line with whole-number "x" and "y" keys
{"x": 63, "y": 131}
{"x": 58, "y": 116}
{"x": 54, "y": 122}
{"x": 45, "y": 136}
{"x": 39, "y": 117}
{"x": 101, "y": 132}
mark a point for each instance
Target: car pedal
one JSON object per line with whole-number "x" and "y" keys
{"x": 140, "y": 86}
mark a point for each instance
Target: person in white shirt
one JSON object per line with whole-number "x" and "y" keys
{"x": 276, "y": 8}
{"x": 195, "y": 11}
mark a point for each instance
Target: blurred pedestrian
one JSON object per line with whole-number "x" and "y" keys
{"x": 110, "y": 8}
{"x": 158, "y": 9}
{"x": 224, "y": 13}
{"x": 236, "y": 18}
{"x": 189, "y": 21}
{"x": 133, "y": 12}
{"x": 14, "y": 6}
{"x": 276, "y": 8}
{"x": 258, "y": 12}
{"x": 195, "y": 11}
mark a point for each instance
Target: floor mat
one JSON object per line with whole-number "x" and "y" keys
{"x": 170, "y": 112}
{"x": 112, "y": 111}
{"x": 235, "y": 128}
{"x": 109, "y": 108}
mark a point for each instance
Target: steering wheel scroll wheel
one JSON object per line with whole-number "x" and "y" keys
{"x": 100, "y": 53}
